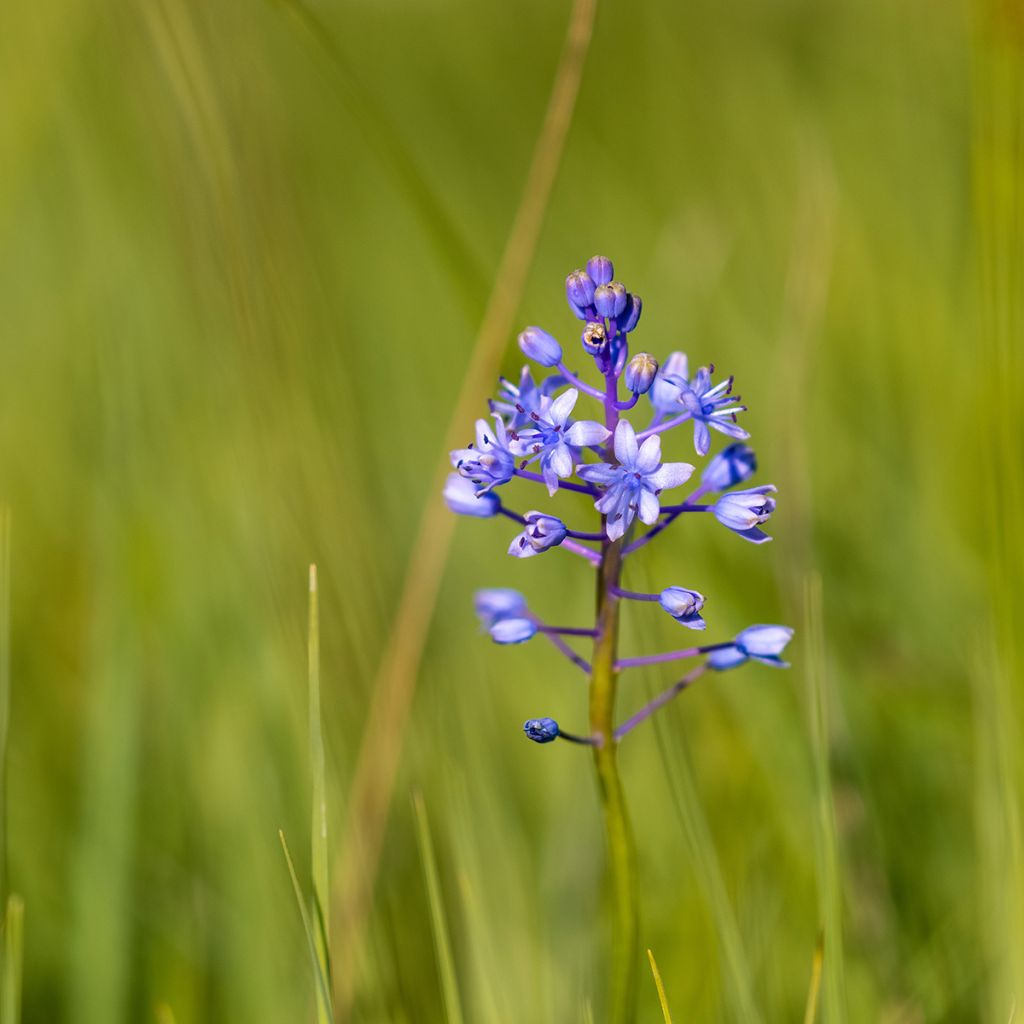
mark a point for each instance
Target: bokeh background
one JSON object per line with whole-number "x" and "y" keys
{"x": 246, "y": 250}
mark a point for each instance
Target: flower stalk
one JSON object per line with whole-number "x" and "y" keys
{"x": 535, "y": 424}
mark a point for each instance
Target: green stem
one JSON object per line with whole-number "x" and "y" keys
{"x": 621, "y": 852}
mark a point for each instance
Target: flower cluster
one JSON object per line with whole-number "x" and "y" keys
{"x": 616, "y": 460}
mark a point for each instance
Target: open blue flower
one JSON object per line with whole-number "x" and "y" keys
{"x": 489, "y": 462}
{"x": 632, "y": 487}
{"x": 760, "y": 643}
{"x": 554, "y": 441}
{"x": 516, "y": 403}
{"x": 711, "y": 407}
{"x": 462, "y": 498}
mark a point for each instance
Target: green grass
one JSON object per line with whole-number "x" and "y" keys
{"x": 247, "y": 252}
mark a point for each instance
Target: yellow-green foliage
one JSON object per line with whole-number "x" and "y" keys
{"x": 245, "y": 251}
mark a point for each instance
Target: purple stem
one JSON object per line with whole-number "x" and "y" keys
{"x": 562, "y": 646}
{"x": 667, "y": 521}
{"x": 514, "y": 516}
{"x": 661, "y": 427}
{"x": 578, "y": 534}
{"x": 567, "y": 630}
{"x": 634, "y": 595}
{"x": 657, "y": 659}
{"x": 660, "y": 701}
{"x": 537, "y": 478}
{"x": 623, "y": 406}
{"x": 587, "y": 389}
{"x": 579, "y": 549}
{"x": 587, "y": 741}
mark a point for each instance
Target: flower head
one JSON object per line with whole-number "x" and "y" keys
{"x": 554, "y": 441}
{"x": 462, "y": 498}
{"x": 516, "y": 403}
{"x": 711, "y": 406}
{"x": 743, "y": 511}
{"x": 684, "y": 606}
{"x": 632, "y": 487}
{"x": 541, "y": 532}
{"x": 731, "y": 466}
{"x": 512, "y": 630}
{"x": 760, "y": 643}
{"x": 489, "y": 463}
{"x": 541, "y": 730}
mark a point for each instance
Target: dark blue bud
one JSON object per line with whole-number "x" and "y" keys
{"x": 541, "y": 730}
{"x": 610, "y": 299}
{"x": 631, "y": 314}
{"x": 729, "y": 467}
{"x": 539, "y": 346}
{"x": 595, "y": 338}
{"x": 579, "y": 289}
{"x": 640, "y": 373}
{"x": 600, "y": 269}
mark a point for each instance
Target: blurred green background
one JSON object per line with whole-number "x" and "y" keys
{"x": 245, "y": 255}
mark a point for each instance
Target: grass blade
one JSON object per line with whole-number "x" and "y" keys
{"x": 826, "y": 842}
{"x": 14, "y": 943}
{"x": 660, "y": 987}
{"x": 445, "y": 962}
{"x": 814, "y": 990}
{"x": 395, "y": 682}
{"x": 318, "y": 830}
{"x": 323, "y": 989}
{"x": 5, "y": 681}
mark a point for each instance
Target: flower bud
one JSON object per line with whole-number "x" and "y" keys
{"x": 512, "y": 630}
{"x": 744, "y": 511}
{"x": 539, "y": 346}
{"x": 461, "y": 496}
{"x": 631, "y": 314}
{"x": 684, "y": 606}
{"x": 610, "y": 299}
{"x": 541, "y": 730}
{"x": 762, "y": 643}
{"x": 600, "y": 269}
{"x": 579, "y": 289}
{"x": 542, "y": 532}
{"x": 498, "y": 602}
{"x": 729, "y": 467}
{"x": 595, "y": 338}
{"x": 640, "y": 373}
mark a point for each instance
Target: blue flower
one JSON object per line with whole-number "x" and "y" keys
{"x": 489, "y": 463}
{"x": 496, "y": 603}
{"x": 711, "y": 407}
{"x": 671, "y": 379}
{"x": 760, "y": 643}
{"x": 518, "y": 403}
{"x": 640, "y": 373}
{"x": 683, "y": 605}
{"x": 743, "y": 511}
{"x": 512, "y": 630}
{"x": 539, "y": 346}
{"x": 555, "y": 443}
{"x": 541, "y": 532}
{"x": 541, "y": 730}
{"x": 461, "y": 496}
{"x": 632, "y": 487}
{"x": 630, "y": 317}
{"x": 731, "y": 466}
